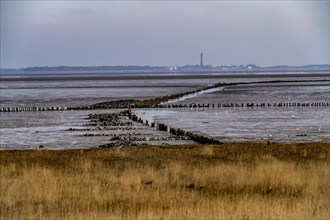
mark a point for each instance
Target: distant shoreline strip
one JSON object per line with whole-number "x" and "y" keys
{"x": 158, "y": 76}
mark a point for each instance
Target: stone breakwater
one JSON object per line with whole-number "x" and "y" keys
{"x": 120, "y": 121}
{"x": 116, "y": 104}
{"x": 107, "y": 119}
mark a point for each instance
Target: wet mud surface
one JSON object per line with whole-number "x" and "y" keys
{"x": 78, "y": 129}
{"x": 96, "y": 128}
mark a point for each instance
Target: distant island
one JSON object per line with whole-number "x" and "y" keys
{"x": 185, "y": 68}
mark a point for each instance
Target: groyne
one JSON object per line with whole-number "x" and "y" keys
{"x": 30, "y": 109}
{"x": 191, "y": 105}
{"x": 247, "y": 105}
{"x": 199, "y": 138}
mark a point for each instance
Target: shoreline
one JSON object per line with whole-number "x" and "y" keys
{"x": 224, "y": 144}
{"x": 60, "y": 77}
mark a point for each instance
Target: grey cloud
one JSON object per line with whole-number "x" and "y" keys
{"x": 164, "y": 33}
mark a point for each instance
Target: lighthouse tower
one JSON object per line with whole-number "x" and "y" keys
{"x": 201, "y": 63}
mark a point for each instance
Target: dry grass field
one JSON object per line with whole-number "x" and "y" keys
{"x": 229, "y": 181}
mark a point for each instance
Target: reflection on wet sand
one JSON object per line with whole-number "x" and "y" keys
{"x": 235, "y": 110}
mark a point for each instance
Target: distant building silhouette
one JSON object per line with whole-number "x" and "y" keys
{"x": 201, "y": 63}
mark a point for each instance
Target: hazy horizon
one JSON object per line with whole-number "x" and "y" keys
{"x": 164, "y": 33}
{"x": 164, "y": 66}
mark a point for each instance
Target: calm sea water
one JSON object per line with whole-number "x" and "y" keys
{"x": 21, "y": 130}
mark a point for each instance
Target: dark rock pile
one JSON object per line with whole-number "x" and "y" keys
{"x": 136, "y": 138}
{"x": 115, "y": 104}
{"x": 107, "y": 119}
{"x": 125, "y": 143}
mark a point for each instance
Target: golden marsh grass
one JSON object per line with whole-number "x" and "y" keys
{"x": 229, "y": 181}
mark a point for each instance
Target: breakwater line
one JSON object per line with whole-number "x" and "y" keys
{"x": 221, "y": 86}
{"x": 199, "y": 138}
{"x": 169, "y": 105}
{"x": 32, "y": 109}
{"x": 192, "y": 94}
{"x": 169, "y": 100}
{"x": 246, "y": 105}
{"x": 172, "y": 105}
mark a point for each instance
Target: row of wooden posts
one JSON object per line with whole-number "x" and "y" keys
{"x": 281, "y": 104}
{"x": 193, "y": 105}
{"x": 175, "y": 131}
{"x": 31, "y": 109}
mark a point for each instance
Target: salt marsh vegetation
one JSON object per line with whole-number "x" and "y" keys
{"x": 228, "y": 181}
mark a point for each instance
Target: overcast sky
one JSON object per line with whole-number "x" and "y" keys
{"x": 52, "y": 33}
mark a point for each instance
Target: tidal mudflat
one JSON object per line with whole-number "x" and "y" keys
{"x": 67, "y": 129}
{"x": 78, "y": 129}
